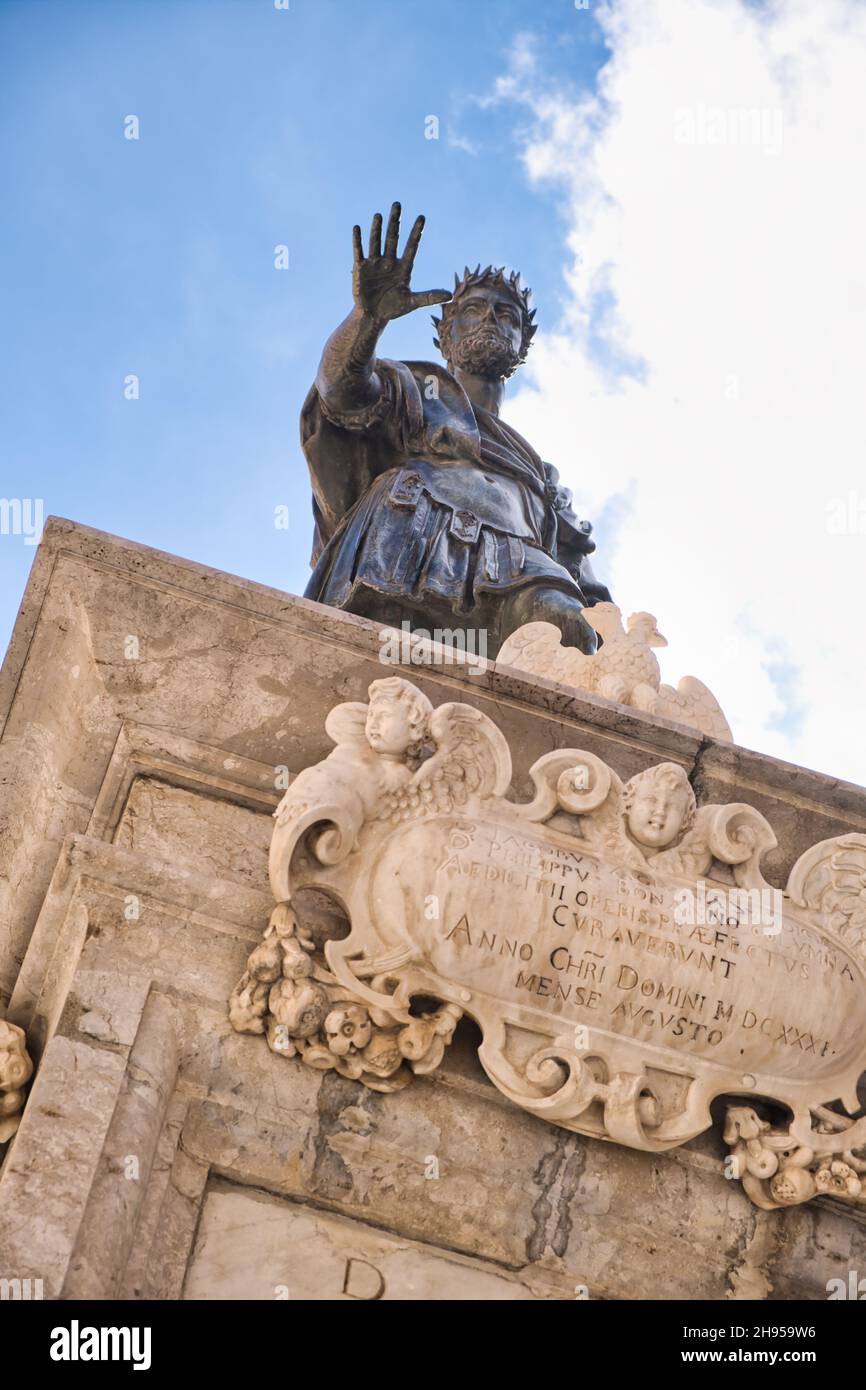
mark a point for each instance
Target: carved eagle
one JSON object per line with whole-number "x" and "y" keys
{"x": 624, "y": 669}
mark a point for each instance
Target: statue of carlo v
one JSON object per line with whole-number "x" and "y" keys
{"x": 428, "y": 508}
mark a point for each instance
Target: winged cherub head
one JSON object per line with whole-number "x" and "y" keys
{"x": 398, "y": 717}
{"x": 659, "y": 805}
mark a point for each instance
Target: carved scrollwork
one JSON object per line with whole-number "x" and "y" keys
{"x": 621, "y": 912}
{"x": 565, "y": 780}
{"x": 829, "y": 882}
{"x": 736, "y": 836}
{"x": 559, "y": 1084}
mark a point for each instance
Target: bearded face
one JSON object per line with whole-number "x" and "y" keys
{"x": 486, "y": 334}
{"x": 485, "y": 352}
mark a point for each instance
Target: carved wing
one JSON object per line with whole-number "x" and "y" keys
{"x": 532, "y": 647}
{"x": 736, "y": 835}
{"x": 345, "y": 723}
{"x": 575, "y": 791}
{"x": 327, "y": 792}
{"x": 830, "y": 881}
{"x": 692, "y": 703}
{"x": 601, "y": 826}
{"x": 472, "y": 762}
{"x": 537, "y": 648}
{"x": 345, "y": 727}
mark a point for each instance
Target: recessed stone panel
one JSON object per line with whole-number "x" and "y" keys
{"x": 251, "y": 1246}
{"x": 229, "y": 840}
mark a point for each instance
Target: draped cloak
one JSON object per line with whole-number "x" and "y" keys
{"x": 421, "y": 496}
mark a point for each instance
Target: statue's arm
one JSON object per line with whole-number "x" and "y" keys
{"x": 347, "y": 380}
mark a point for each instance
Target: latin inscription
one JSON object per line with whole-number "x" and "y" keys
{"x": 572, "y": 935}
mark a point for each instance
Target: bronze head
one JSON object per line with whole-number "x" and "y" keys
{"x": 486, "y": 327}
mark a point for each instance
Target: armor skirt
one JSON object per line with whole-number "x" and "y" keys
{"x": 399, "y": 540}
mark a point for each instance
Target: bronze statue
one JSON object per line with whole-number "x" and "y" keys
{"x": 428, "y": 508}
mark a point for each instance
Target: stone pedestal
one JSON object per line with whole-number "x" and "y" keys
{"x": 147, "y": 707}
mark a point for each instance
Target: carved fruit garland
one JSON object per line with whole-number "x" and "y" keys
{"x": 305, "y": 1012}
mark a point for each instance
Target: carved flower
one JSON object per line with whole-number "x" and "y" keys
{"x": 792, "y": 1185}
{"x": 382, "y": 1056}
{"x": 760, "y": 1162}
{"x": 348, "y": 1029}
{"x": 302, "y": 1006}
{"x": 315, "y": 1054}
{"x": 838, "y": 1180}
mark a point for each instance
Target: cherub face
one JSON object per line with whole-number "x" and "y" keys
{"x": 388, "y": 729}
{"x": 657, "y": 812}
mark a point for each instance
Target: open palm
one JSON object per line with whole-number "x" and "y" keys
{"x": 380, "y": 280}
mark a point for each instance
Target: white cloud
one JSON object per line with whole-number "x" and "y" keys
{"x": 460, "y": 142}
{"x": 716, "y": 217}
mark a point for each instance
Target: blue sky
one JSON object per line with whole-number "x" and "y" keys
{"x": 155, "y": 257}
{"x": 701, "y": 297}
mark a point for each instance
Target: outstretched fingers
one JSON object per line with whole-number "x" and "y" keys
{"x": 392, "y": 235}
{"x": 392, "y": 238}
{"x": 376, "y": 235}
{"x": 410, "y": 250}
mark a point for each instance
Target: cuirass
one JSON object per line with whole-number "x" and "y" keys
{"x": 477, "y": 496}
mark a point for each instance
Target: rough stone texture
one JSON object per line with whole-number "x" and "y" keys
{"x": 231, "y": 841}
{"x": 136, "y": 796}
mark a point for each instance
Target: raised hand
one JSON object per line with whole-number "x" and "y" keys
{"x": 380, "y": 280}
